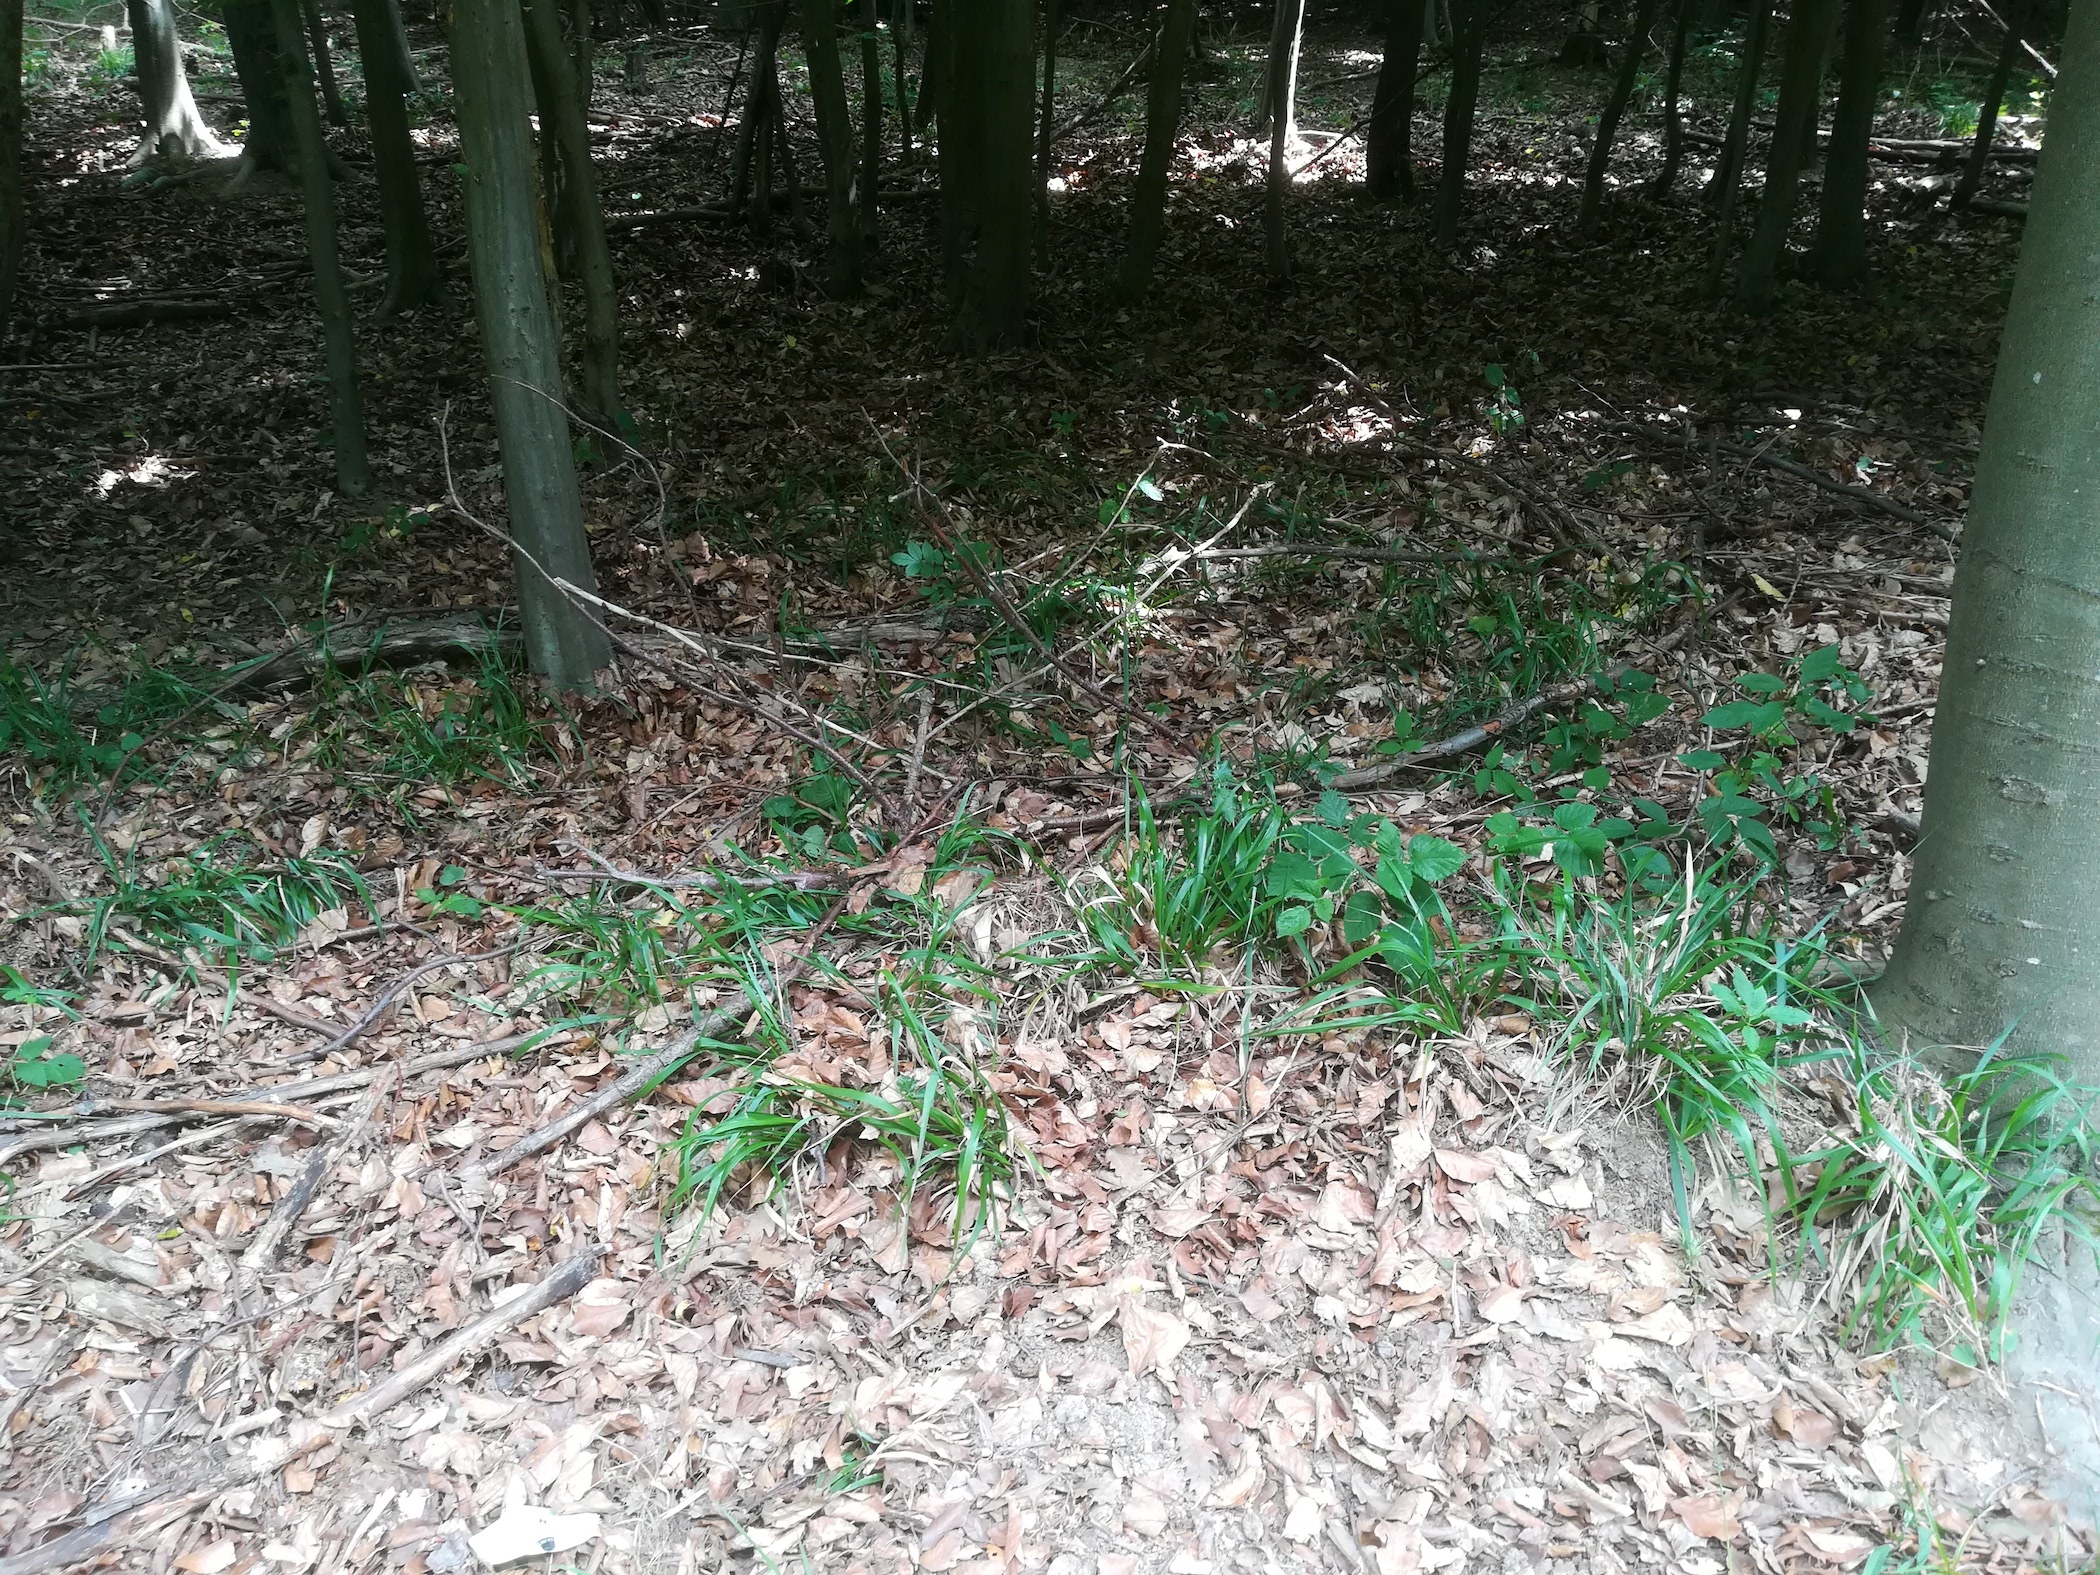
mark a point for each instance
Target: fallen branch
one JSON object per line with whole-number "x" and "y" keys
{"x": 294, "y": 1203}
{"x": 137, "y": 314}
{"x": 1547, "y": 699}
{"x": 205, "y": 1107}
{"x": 382, "y": 1397}
{"x": 1338, "y": 552}
{"x": 360, "y": 647}
{"x": 389, "y": 996}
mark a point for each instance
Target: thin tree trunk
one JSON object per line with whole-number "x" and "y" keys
{"x": 324, "y": 64}
{"x": 404, "y": 52}
{"x": 1615, "y": 107}
{"x": 1046, "y": 125}
{"x": 1389, "y": 160}
{"x": 252, "y": 35}
{"x": 1283, "y": 113}
{"x": 901, "y": 28}
{"x": 1910, "y": 23}
{"x": 1468, "y": 36}
{"x": 1728, "y": 175}
{"x": 827, "y": 92}
{"x": 986, "y": 100}
{"x": 751, "y": 130}
{"x": 174, "y": 128}
{"x": 1148, "y": 205}
{"x": 353, "y": 475}
{"x": 1673, "y": 115}
{"x": 790, "y": 172}
{"x": 2002, "y": 932}
{"x": 520, "y": 341}
{"x": 1987, "y": 115}
{"x": 412, "y": 275}
{"x": 866, "y": 212}
{"x": 13, "y": 213}
{"x": 1800, "y": 98}
{"x": 582, "y": 215}
{"x": 1839, "y": 261}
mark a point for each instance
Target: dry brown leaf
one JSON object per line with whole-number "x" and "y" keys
{"x": 1152, "y": 1338}
{"x": 601, "y": 1307}
{"x": 1503, "y": 1304}
{"x": 1708, "y": 1515}
{"x": 1465, "y": 1167}
{"x": 209, "y": 1559}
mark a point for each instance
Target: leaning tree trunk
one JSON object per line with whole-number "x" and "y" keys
{"x": 324, "y": 63}
{"x": 827, "y": 92}
{"x": 1283, "y": 113}
{"x": 1673, "y": 116}
{"x": 582, "y": 216}
{"x": 987, "y": 102}
{"x": 1389, "y": 160}
{"x": 252, "y": 34}
{"x": 1468, "y": 35}
{"x": 1839, "y": 261}
{"x": 174, "y": 129}
{"x": 1148, "y": 205}
{"x": 13, "y": 213}
{"x": 2002, "y": 931}
{"x": 563, "y": 641}
{"x": 353, "y": 474}
{"x": 412, "y": 275}
{"x": 1793, "y": 127}
{"x": 1987, "y": 114}
{"x": 1727, "y": 184}
{"x": 1614, "y": 108}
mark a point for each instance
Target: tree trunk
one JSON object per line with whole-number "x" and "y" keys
{"x": 901, "y": 31}
{"x": 1283, "y": 34}
{"x": 1148, "y": 206}
{"x": 404, "y": 53}
{"x": 1910, "y": 23}
{"x": 520, "y": 341}
{"x": 13, "y": 214}
{"x": 1728, "y": 174}
{"x": 1673, "y": 116}
{"x": 1839, "y": 261}
{"x": 1468, "y": 35}
{"x": 827, "y": 92}
{"x": 324, "y": 63}
{"x": 582, "y": 215}
{"x": 988, "y": 84}
{"x": 1389, "y": 159}
{"x": 412, "y": 275}
{"x": 1615, "y": 107}
{"x": 353, "y": 475}
{"x": 2002, "y": 931}
{"x": 751, "y": 144}
{"x": 865, "y": 207}
{"x": 1046, "y": 126}
{"x": 252, "y": 35}
{"x": 1283, "y": 115}
{"x": 174, "y": 129}
{"x": 1794, "y": 124}
{"x": 1987, "y": 115}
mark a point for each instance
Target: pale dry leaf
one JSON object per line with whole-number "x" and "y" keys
{"x": 1503, "y": 1304}
{"x": 1465, "y": 1167}
{"x": 1144, "y": 1512}
{"x": 1708, "y": 1515}
{"x": 209, "y": 1559}
{"x": 1152, "y": 1338}
{"x": 601, "y": 1307}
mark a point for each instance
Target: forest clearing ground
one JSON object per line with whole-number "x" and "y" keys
{"x": 1278, "y": 1288}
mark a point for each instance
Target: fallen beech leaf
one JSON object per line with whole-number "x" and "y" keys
{"x": 1503, "y": 1304}
{"x": 1179, "y": 1219}
{"x": 1144, "y": 1513}
{"x": 601, "y": 1307}
{"x": 1151, "y": 1338}
{"x": 1461, "y": 1166}
{"x": 1708, "y": 1515}
{"x": 209, "y": 1559}
{"x": 1243, "y": 1486}
{"x": 1344, "y": 1205}
{"x": 1842, "y": 1547}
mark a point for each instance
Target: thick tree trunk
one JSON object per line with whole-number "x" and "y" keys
{"x": 252, "y": 35}
{"x": 324, "y": 62}
{"x": 404, "y": 52}
{"x": 412, "y": 276}
{"x": 1839, "y": 261}
{"x": 1614, "y": 108}
{"x": 520, "y": 340}
{"x": 2002, "y": 931}
{"x": 353, "y": 475}
{"x": 13, "y": 213}
{"x": 1148, "y": 205}
{"x": 1468, "y": 36}
{"x": 987, "y": 123}
{"x": 960, "y": 150}
{"x": 865, "y": 207}
{"x": 174, "y": 129}
{"x": 1728, "y": 174}
{"x": 1793, "y": 128}
{"x": 582, "y": 215}
{"x": 1673, "y": 116}
{"x": 827, "y": 92}
{"x": 1283, "y": 115}
{"x": 1389, "y": 159}
{"x": 1987, "y": 114}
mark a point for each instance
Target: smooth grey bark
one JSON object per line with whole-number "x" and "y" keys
{"x": 1468, "y": 36}
{"x": 1726, "y": 189}
{"x": 987, "y": 123}
{"x": 412, "y": 275}
{"x": 827, "y": 92}
{"x": 324, "y": 62}
{"x": 2002, "y": 930}
{"x": 252, "y": 35}
{"x": 582, "y": 215}
{"x": 175, "y": 130}
{"x": 1148, "y": 205}
{"x": 1389, "y": 159}
{"x": 346, "y": 411}
{"x": 1839, "y": 261}
{"x": 1282, "y": 93}
{"x": 1987, "y": 116}
{"x": 521, "y": 342}
{"x": 14, "y": 214}
{"x": 1614, "y": 108}
{"x": 1793, "y": 130}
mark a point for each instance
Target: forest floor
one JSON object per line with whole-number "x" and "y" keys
{"x": 1292, "y": 1271}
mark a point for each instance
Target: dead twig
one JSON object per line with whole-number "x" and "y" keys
{"x": 391, "y": 994}
{"x": 294, "y": 1203}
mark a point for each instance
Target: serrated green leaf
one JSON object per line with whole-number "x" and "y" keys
{"x": 1433, "y": 859}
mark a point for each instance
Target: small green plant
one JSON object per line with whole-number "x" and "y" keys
{"x": 67, "y": 734}
{"x": 1505, "y": 410}
{"x": 222, "y": 899}
{"x": 34, "y": 1065}
{"x": 815, "y": 820}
